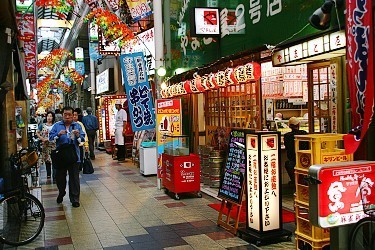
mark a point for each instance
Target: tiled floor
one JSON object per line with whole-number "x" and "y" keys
{"x": 120, "y": 209}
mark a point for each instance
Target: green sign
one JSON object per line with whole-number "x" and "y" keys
{"x": 245, "y": 25}
{"x": 25, "y": 6}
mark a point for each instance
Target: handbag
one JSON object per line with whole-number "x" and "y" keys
{"x": 87, "y": 166}
{"x": 64, "y": 156}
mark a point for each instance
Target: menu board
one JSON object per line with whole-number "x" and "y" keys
{"x": 231, "y": 183}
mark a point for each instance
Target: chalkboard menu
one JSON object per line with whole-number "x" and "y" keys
{"x": 231, "y": 183}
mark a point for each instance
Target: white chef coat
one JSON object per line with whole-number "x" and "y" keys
{"x": 120, "y": 118}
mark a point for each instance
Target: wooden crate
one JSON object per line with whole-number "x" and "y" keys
{"x": 303, "y": 243}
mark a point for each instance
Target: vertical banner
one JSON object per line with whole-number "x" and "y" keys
{"x": 139, "y": 9}
{"x": 168, "y": 121}
{"x": 360, "y": 61}
{"x": 26, "y": 27}
{"x": 138, "y": 91}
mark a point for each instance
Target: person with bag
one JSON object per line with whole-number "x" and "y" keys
{"x": 68, "y": 135}
{"x": 92, "y": 125}
{"x": 47, "y": 146}
{"x": 120, "y": 126}
{"x": 83, "y": 146}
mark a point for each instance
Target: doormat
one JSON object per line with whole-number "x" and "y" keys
{"x": 287, "y": 215}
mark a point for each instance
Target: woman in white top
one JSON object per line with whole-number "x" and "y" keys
{"x": 47, "y": 146}
{"x": 120, "y": 125}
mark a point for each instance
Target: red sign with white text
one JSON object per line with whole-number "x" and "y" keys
{"x": 339, "y": 194}
{"x": 26, "y": 27}
{"x": 360, "y": 61}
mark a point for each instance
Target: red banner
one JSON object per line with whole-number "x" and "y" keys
{"x": 26, "y": 28}
{"x": 360, "y": 61}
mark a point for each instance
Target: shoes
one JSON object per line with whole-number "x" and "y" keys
{"x": 48, "y": 176}
{"x": 75, "y": 204}
{"x": 60, "y": 198}
{"x": 114, "y": 158}
{"x": 121, "y": 160}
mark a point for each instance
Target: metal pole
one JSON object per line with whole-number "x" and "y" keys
{"x": 159, "y": 52}
{"x": 92, "y": 81}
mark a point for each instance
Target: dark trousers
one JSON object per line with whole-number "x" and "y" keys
{"x": 48, "y": 168}
{"x": 120, "y": 151}
{"x": 74, "y": 187}
{"x": 91, "y": 134}
{"x": 289, "y": 166}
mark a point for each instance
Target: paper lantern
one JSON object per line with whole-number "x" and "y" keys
{"x": 198, "y": 84}
{"x": 220, "y": 79}
{"x": 252, "y": 71}
{"x": 181, "y": 88}
{"x": 205, "y": 83}
{"x": 231, "y": 80}
{"x": 212, "y": 81}
{"x": 187, "y": 86}
{"x": 240, "y": 74}
{"x": 193, "y": 86}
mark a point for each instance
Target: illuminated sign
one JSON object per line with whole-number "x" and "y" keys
{"x": 310, "y": 48}
{"x": 337, "y": 200}
{"x": 207, "y": 21}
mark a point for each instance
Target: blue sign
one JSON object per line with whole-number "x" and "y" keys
{"x": 138, "y": 91}
{"x": 80, "y": 68}
{"x": 94, "y": 51}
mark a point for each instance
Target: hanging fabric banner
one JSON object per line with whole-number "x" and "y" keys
{"x": 138, "y": 91}
{"x": 360, "y": 61}
{"x": 139, "y": 9}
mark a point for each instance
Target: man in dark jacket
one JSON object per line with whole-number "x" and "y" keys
{"x": 91, "y": 124}
{"x": 290, "y": 146}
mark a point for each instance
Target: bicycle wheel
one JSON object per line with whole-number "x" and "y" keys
{"x": 363, "y": 235}
{"x": 21, "y": 219}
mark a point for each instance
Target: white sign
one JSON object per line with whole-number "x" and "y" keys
{"x": 253, "y": 182}
{"x": 207, "y": 21}
{"x": 93, "y": 32}
{"x": 71, "y": 64}
{"x": 102, "y": 82}
{"x": 145, "y": 43}
{"x": 315, "y": 46}
{"x": 269, "y": 174}
{"x": 78, "y": 54}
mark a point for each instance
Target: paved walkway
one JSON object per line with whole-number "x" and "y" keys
{"x": 121, "y": 209}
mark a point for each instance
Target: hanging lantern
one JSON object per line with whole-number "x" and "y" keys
{"x": 252, "y": 71}
{"x": 240, "y": 74}
{"x": 182, "y": 88}
{"x": 220, "y": 78}
{"x": 198, "y": 84}
{"x": 231, "y": 80}
{"x": 193, "y": 86}
{"x": 163, "y": 93}
{"x": 205, "y": 83}
{"x": 212, "y": 81}
{"x": 187, "y": 86}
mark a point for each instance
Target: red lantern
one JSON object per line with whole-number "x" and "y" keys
{"x": 212, "y": 81}
{"x": 252, "y": 71}
{"x": 198, "y": 84}
{"x": 181, "y": 88}
{"x": 240, "y": 74}
{"x": 229, "y": 73}
{"x": 220, "y": 79}
{"x": 205, "y": 83}
{"x": 193, "y": 86}
{"x": 187, "y": 87}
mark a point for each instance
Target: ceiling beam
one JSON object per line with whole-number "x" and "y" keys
{"x": 41, "y": 23}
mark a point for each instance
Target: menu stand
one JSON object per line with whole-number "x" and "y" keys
{"x": 229, "y": 223}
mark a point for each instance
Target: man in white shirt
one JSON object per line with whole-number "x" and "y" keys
{"x": 120, "y": 125}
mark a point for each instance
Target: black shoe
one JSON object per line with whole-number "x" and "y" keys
{"x": 121, "y": 160}
{"x": 75, "y": 204}
{"x": 60, "y": 198}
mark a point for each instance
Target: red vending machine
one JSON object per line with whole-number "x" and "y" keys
{"x": 181, "y": 170}
{"x": 181, "y": 174}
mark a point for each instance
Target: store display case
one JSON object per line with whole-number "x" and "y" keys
{"x": 176, "y": 145}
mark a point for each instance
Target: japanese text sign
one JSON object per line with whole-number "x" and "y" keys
{"x": 138, "y": 91}
{"x": 139, "y": 9}
{"x": 231, "y": 183}
{"x": 338, "y": 195}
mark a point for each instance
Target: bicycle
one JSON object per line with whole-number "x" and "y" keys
{"x": 363, "y": 233}
{"x": 21, "y": 214}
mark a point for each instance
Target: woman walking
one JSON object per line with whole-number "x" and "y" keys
{"x": 47, "y": 146}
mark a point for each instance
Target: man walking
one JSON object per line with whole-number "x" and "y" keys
{"x": 120, "y": 125}
{"x": 91, "y": 124}
{"x": 67, "y": 132}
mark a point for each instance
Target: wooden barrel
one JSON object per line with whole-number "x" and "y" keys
{"x": 216, "y": 165}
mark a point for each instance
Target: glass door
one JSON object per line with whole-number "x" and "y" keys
{"x": 319, "y": 98}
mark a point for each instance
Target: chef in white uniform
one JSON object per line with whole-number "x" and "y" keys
{"x": 120, "y": 125}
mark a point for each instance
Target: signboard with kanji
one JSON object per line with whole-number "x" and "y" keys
{"x": 138, "y": 91}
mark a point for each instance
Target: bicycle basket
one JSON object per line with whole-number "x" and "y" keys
{"x": 367, "y": 190}
{"x": 28, "y": 160}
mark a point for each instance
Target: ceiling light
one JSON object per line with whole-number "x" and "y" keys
{"x": 161, "y": 71}
{"x": 321, "y": 18}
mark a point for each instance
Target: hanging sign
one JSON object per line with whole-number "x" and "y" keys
{"x": 139, "y": 9}
{"x": 80, "y": 68}
{"x": 138, "y": 90}
{"x": 360, "y": 61}
{"x": 93, "y": 32}
{"x": 25, "y": 6}
{"x": 94, "y": 52}
{"x": 71, "y": 64}
{"x": 168, "y": 122}
{"x": 78, "y": 54}
{"x": 25, "y": 25}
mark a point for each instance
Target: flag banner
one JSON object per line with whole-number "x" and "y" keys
{"x": 138, "y": 91}
{"x": 360, "y": 61}
{"x": 25, "y": 25}
{"x": 139, "y": 9}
